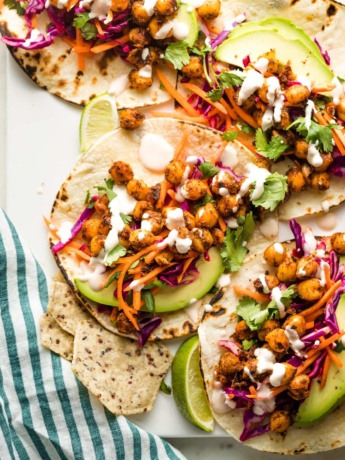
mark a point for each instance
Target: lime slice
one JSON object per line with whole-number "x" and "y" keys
{"x": 98, "y": 118}
{"x": 188, "y": 386}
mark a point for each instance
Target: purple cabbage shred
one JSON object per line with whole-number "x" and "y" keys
{"x": 146, "y": 327}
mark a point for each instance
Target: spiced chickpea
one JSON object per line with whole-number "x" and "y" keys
{"x": 189, "y": 220}
{"x": 295, "y": 179}
{"x": 243, "y": 332}
{"x": 228, "y": 364}
{"x": 258, "y": 116}
{"x": 263, "y": 91}
{"x": 338, "y": 242}
{"x": 137, "y": 81}
{"x": 165, "y": 7}
{"x": 224, "y": 184}
{"x": 270, "y": 282}
{"x": 296, "y": 94}
{"x": 164, "y": 257}
{"x": 296, "y": 322}
{"x": 139, "y": 13}
{"x": 105, "y": 225}
{"x": 90, "y": 228}
{"x": 96, "y": 245}
{"x": 121, "y": 172}
{"x": 131, "y": 118}
{"x": 138, "y": 189}
{"x": 228, "y": 205}
{"x": 174, "y": 172}
{"x": 320, "y": 180}
{"x": 123, "y": 324}
{"x": 280, "y": 421}
{"x": 286, "y": 272}
{"x": 139, "y": 37}
{"x": 153, "y": 222}
{"x": 140, "y": 208}
{"x": 285, "y": 120}
{"x": 155, "y": 26}
{"x": 201, "y": 240}
{"x": 306, "y": 267}
{"x": 310, "y": 290}
{"x": 327, "y": 160}
{"x": 117, "y": 6}
{"x": 194, "y": 190}
{"x": 301, "y": 149}
{"x": 124, "y": 236}
{"x": 268, "y": 326}
{"x": 206, "y": 216}
{"x": 101, "y": 205}
{"x": 299, "y": 387}
{"x": 209, "y": 10}
{"x": 218, "y": 237}
{"x": 290, "y": 372}
{"x": 340, "y": 110}
{"x": 194, "y": 69}
{"x": 140, "y": 239}
{"x": 275, "y": 254}
{"x": 277, "y": 340}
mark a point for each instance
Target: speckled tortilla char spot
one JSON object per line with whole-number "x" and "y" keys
{"x": 293, "y": 2}
{"x": 55, "y": 70}
{"x": 94, "y": 80}
{"x": 62, "y": 83}
{"x": 62, "y": 57}
{"x": 37, "y": 56}
{"x": 30, "y": 70}
{"x": 187, "y": 325}
{"x": 103, "y": 62}
{"x": 219, "y": 312}
{"x": 218, "y": 295}
{"x": 331, "y": 10}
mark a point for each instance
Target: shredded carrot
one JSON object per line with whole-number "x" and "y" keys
{"x": 253, "y": 393}
{"x": 171, "y": 193}
{"x": 325, "y": 371}
{"x": 338, "y": 141}
{"x": 332, "y": 356}
{"x": 134, "y": 257}
{"x": 228, "y": 123}
{"x": 162, "y": 234}
{"x": 181, "y": 145}
{"x": 240, "y": 112}
{"x": 195, "y": 89}
{"x": 51, "y": 227}
{"x": 276, "y": 391}
{"x": 150, "y": 276}
{"x": 219, "y": 153}
{"x": 324, "y": 343}
{"x": 98, "y": 26}
{"x": 222, "y": 224}
{"x": 247, "y": 144}
{"x": 308, "y": 362}
{"x": 111, "y": 273}
{"x": 310, "y": 324}
{"x": 242, "y": 291}
{"x": 176, "y": 95}
{"x": 338, "y": 136}
{"x": 153, "y": 254}
{"x": 107, "y": 46}
{"x": 69, "y": 42}
{"x": 137, "y": 294}
{"x": 81, "y": 49}
{"x": 185, "y": 268}
{"x": 329, "y": 281}
{"x": 80, "y": 42}
{"x": 34, "y": 21}
{"x": 71, "y": 4}
{"x": 314, "y": 315}
{"x": 230, "y": 111}
{"x": 322, "y": 301}
{"x": 323, "y": 89}
{"x": 213, "y": 112}
{"x": 179, "y": 116}
{"x": 76, "y": 251}
{"x": 164, "y": 188}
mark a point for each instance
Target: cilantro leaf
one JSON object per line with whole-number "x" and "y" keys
{"x": 317, "y": 134}
{"x": 286, "y": 298}
{"x": 125, "y": 218}
{"x": 206, "y": 49}
{"x": 109, "y": 184}
{"x": 177, "y": 54}
{"x": 233, "y": 252}
{"x": 215, "y": 94}
{"x": 208, "y": 169}
{"x": 321, "y": 102}
{"x": 246, "y": 344}
{"x": 230, "y": 135}
{"x": 115, "y": 276}
{"x": 272, "y": 149}
{"x": 229, "y": 79}
{"x": 81, "y": 19}
{"x": 166, "y": 389}
{"x": 275, "y": 188}
{"x": 89, "y": 31}
{"x": 115, "y": 254}
{"x": 341, "y": 79}
{"x": 245, "y": 128}
{"x": 252, "y": 313}
{"x": 149, "y": 300}
{"x": 339, "y": 346}
{"x": 19, "y": 6}
{"x": 207, "y": 199}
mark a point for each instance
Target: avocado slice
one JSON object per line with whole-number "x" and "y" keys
{"x": 322, "y": 401}
{"x": 189, "y": 18}
{"x": 258, "y": 42}
{"x": 168, "y": 298}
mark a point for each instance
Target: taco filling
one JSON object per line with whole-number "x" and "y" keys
{"x": 287, "y": 338}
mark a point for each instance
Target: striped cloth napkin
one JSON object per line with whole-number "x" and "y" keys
{"x": 45, "y": 413}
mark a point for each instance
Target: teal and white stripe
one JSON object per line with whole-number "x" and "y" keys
{"x": 45, "y": 413}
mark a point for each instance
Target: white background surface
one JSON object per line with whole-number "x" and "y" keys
{"x": 38, "y": 147}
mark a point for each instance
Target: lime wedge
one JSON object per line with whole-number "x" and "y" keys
{"x": 188, "y": 386}
{"x": 98, "y": 118}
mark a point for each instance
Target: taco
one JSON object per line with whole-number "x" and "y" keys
{"x": 271, "y": 349}
{"x": 165, "y": 239}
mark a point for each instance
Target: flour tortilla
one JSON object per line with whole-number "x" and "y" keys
{"x": 93, "y": 167}
{"x": 55, "y": 68}
{"x": 220, "y": 324}
{"x": 55, "y": 338}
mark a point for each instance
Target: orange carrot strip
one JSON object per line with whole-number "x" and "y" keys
{"x": 240, "y": 112}
{"x": 98, "y": 27}
{"x": 185, "y": 268}
{"x": 222, "y": 224}
{"x": 322, "y": 301}
{"x": 107, "y": 46}
{"x": 69, "y": 42}
{"x": 162, "y": 234}
{"x": 219, "y": 153}
{"x": 77, "y": 252}
{"x": 181, "y": 145}
{"x": 228, "y": 124}
{"x": 112, "y": 272}
{"x": 247, "y": 144}
{"x": 176, "y": 95}
{"x": 71, "y": 4}
{"x": 230, "y": 111}
{"x": 178, "y": 116}
{"x": 137, "y": 295}
{"x": 81, "y": 49}
{"x": 34, "y": 21}
{"x": 276, "y": 391}
{"x": 323, "y": 89}
{"x": 241, "y": 291}
{"x": 307, "y": 363}
{"x": 329, "y": 281}
{"x": 195, "y": 89}
{"x": 134, "y": 257}
{"x": 324, "y": 343}
{"x": 165, "y": 185}
{"x": 325, "y": 371}
{"x": 149, "y": 277}
{"x": 213, "y": 112}
{"x": 332, "y": 356}
{"x": 337, "y": 135}
{"x": 80, "y": 42}
{"x": 171, "y": 193}
{"x": 310, "y": 324}
{"x": 153, "y": 254}
{"x": 54, "y": 230}
{"x": 212, "y": 28}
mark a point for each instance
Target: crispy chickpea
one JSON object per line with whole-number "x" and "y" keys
{"x": 140, "y": 239}
{"x": 228, "y": 205}
{"x": 164, "y": 257}
{"x": 296, "y": 94}
{"x": 299, "y": 387}
{"x": 140, "y": 208}
{"x": 201, "y": 239}
{"x": 174, "y": 172}
{"x": 123, "y": 324}
{"x": 287, "y": 271}
{"x": 296, "y": 322}
{"x": 121, "y": 172}
{"x": 119, "y": 5}
{"x": 139, "y": 13}
{"x": 301, "y": 149}
{"x": 228, "y": 364}
{"x": 285, "y": 119}
{"x": 286, "y": 75}
{"x": 280, "y": 420}
{"x": 224, "y": 184}
{"x": 138, "y": 189}
{"x": 194, "y": 69}
{"x": 327, "y": 160}
{"x": 206, "y": 216}
{"x": 105, "y": 225}
{"x": 153, "y": 222}
{"x": 218, "y": 237}
{"x": 277, "y": 340}
{"x": 131, "y": 118}
{"x": 275, "y": 254}
{"x": 189, "y": 220}
{"x": 139, "y": 37}
{"x": 306, "y": 267}
{"x": 183, "y": 242}
{"x": 340, "y": 110}
{"x": 154, "y": 193}
{"x": 338, "y": 242}
{"x": 135, "y": 58}
{"x": 310, "y": 289}
{"x": 124, "y": 236}
{"x": 320, "y": 180}
{"x": 258, "y": 116}
{"x": 243, "y": 332}
{"x": 90, "y": 228}
{"x": 137, "y": 81}
{"x": 194, "y": 190}
{"x": 96, "y": 245}
{"x": 268, "y": 326}
{"x": 165, "y": 7}
{"x": 209, "y": 10}
{"x": 270, "y": 282}
{"x": 155, "y": 26}
{"x": 295, "y": 179}
{"x": 101, "y": 205}
{"x": 263, "y": 91}
{"x": 290, "y": 372}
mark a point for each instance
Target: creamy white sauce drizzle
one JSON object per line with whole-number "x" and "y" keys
{"x": 321, "y": 272}
{"x": 93, "y": 273}
{"x": 269, "y": 228}
{"x": 309, "y": 110}
{"x": 192, "y": 159}
{"x": 145, "y": 72}
{"x": 338, "y": 91}
{"x": 305, "y": 81}
{"x": 180, "y": 30}
{"x": 224, "y": 280}
{"x": 276, "y": 296}
{"x": 183, "y": 245}
{"x": 174, "y": 219}
{"x": 100, "y": 9}
{"x": 229, "y": 157}
{"x": 279, "y": 248}
{"x": 267, "y": 119}
{"x": 254, "y": 175}
{"x": 262, "y": 278}
{"x": 231, "y": 222}
{"x": 278, "y": 372}
{"x": 314, "y": 157}
{"x": 65, "y": 231}
{"x": 118, "y": 86}
{"x": 218, "y": 401}
{"x": 155, "y": 152}
{"x": 295, "y": 343}
{"x": 149, "y": 6}
{"x": 310, "y": 242}
{"x": 253, "y": 81}
{"x": 261, "y": 65}
{"x": 265, "y": 358}
{"x": 145, "y": 54}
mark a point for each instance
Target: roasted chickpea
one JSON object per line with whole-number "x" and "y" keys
{"x": 124, "y": 236}
{"x": 295, "y": 179}
{"x": 194, "y": 69}
{"x": 194, "y": 190}
{"x": 290, "y": 372}
{"x": 268, "y": 326}
{"x": 275, "y": 254}
{"x": 140, "y": 239}
{"x": 174, "y": 172}
{"x": 243, "y": 332}
{"x": 166, "y": 7}
{"x": 137, "y": 81}
{"x": 301, "y": 149}
{"x": 286, "y": 75}
{"x": 296, "y": 322}
{"x": 263, "y": 91}
{"x": 338, "y": 242}
{"x": 278, "y": 340}
{"x": 224, "y": 184}
{"x": 105, "y": 225}
{"x": 287, "y": 271}
{"x": 299, "y": 387}
{"x": 310, "y": 289}
{"x": 258, "y": 116}
{"x": 183, "y": 242}
{"x": 228, "y": 364}
{"x": 285, "y": 120}
{"x": 119, "y": 5}
{"x": 210, "y": 9}
{"x": 123, "y": 324}
{"x": 140, "y": 208}
{"x": 206, "y": 216}
{"x": 90, "y": 228}
{"x": 101, "y": 205}
{"x": 320, "y": 180}
{"x": 138, "y": 189}
{"x": 297, "y": 94}
{"x": 306, "y": 267}
{"x": 131, "y": 118}
{"x": 280, "y": 420}
{"x": 189, "y": 220}
{"x": 96, "y": 245}
{"x": 201, "y": 240}
{"x": 121, "y": 172}
{"x": 229, "y": 205}
{"x": 164, "y": 257}
{"x": 139, "y": 13}
{"x": 154, "y": 193}
{"x": 327, "y": 160}
{"x": 155, "y": 26}
{"x": 340, "y": 110}
{"x": 270, "y": 282}
{"x": 218, "y": 237}
{"x": 138, "y": 37}
{"x": 153, "y": 222}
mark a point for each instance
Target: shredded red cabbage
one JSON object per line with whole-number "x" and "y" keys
{"x": 231, "y": 171}
{"x": 295, "y": 361}
{"x": 146, "y": 327}
{"x": 240, "y": 395}
{"x": 317, "y": 366}
{"x": 33, "y": 7}
{"x": 58, "y": 18}
{"x": 324, "y": 54}
{"x": 330, "y": 316}
{"x": 170, "y": 276}
{"x": 229, "y": 345}
{"x": 251, "y": 425}
{"x": 246, "y": 61}
{"x": 337, "y": 168}
{"x": 297, "y": 231}
{"x": 38, "y": 43}
{"x": 315, "y": 335}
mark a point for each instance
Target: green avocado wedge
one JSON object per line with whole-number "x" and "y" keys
{"x": 256, "y": 43}
{"x": 189, "y": 18}
{"x": 168, "y": 298}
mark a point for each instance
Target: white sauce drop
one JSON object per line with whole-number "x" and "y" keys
{"x": 100, "y": 9}
{"x": 276, "y": 296}
{"x": 231, "y": 222}
{"x": 327, "y": 221}
{"x": 175, "y": 219}
{"x": 309, "y": 110}
{"x": 155, "y": 152}
{"x": 262, "y": 278}
{"x": 93, "y": 273}
{"x": 314, "y": 157}
{"x": 229, "y": 157}
{"x": 295, "y": 343}
{"x": 208, "y": 307}
{"x": 180, "y": 30}
{"x": 269, "y": 228}
{"x": 279, "y": 248}
{"x": 218, "y": 401}
{"x": 118, "y": 86}
{"x": 255, "y": 176}
{"x": 321, "y": 272}
{"x": 145, "y": 72}
{"x": 65, "y": 232}
{"x": 183, "y": 245}
{"x": 265, "y": 358}
{"x": 149, "y": 6}
{"x": 267, "y": 119}
{"x": 192, "y": 159}
{"x": 145, "y": 54}
{"x": 261, "y": 65}
{"x": 224, "y": 280}
{"x": 253, "y": 81}
{"x": 277, "y": 375}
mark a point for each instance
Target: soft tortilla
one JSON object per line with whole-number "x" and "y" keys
{"x": 55, "y": 338}
{"x": 107, "y": 364}
{"x": 220, "y": 324}
{"x": 55, "y": 68}
{"x": 93, "y": 168}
